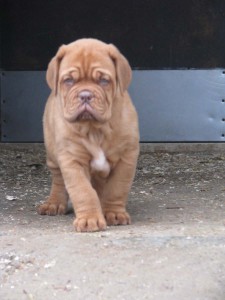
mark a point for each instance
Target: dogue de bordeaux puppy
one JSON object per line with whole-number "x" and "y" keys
{"x": 91, "y": 134}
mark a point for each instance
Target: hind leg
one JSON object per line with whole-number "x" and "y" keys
{"x": 58, "y": 199}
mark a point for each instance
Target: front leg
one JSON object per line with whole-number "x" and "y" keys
{"x": 84, "y": 198}
{"x": 115, "y": 191}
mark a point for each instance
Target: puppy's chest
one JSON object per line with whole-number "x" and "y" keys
{"x": 102, "y": 153}
{"x": 99, "y": 163}
{"x": 103, "y": 162}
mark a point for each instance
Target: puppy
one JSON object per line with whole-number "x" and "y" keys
{"x": 91, "y": 134}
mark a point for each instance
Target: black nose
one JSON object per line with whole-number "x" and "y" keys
{"x": 85, "y": 96}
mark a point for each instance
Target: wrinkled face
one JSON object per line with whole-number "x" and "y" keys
{"x": 87, "y": 83}
{"x": 87, "y": 75}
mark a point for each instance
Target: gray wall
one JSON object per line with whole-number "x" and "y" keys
{"x": 173, "y": 105}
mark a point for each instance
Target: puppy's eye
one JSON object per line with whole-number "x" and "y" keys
{"x": 69, "y": 81}
{"x": 104, "y": 81}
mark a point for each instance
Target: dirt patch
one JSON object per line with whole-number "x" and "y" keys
{"x": 174, "y": 249}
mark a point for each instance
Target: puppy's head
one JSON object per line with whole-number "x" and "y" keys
{"x": 88, "y": 75}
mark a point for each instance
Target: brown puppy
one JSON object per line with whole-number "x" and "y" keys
{"x": 91, "y": 134}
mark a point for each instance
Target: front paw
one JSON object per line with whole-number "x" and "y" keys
{"x": 90, "y": 223}
{"x": 117, "y": 218}
{"x": 52, "y": 209}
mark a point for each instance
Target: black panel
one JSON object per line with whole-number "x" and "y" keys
{"x": 153, "y": 34}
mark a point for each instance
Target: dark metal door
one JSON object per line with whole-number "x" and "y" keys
{"x": 163, "y": 40}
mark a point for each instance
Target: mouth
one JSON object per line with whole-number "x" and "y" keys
{"x": 86, "y": 113}
{"x": 92, "y": 110}
{"x": 85, "y": 116}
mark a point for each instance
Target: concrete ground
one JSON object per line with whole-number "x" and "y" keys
{"x": 174, "y": 249}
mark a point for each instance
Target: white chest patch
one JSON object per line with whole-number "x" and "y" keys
{"x": 99, "y": 163}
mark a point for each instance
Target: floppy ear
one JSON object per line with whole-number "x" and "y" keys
{"x": 52, "y": 74}
{"x": 123, "y": 69}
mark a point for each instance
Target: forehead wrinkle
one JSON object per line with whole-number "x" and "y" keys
{"x": 96, "y": 69}
{"x": 70, "y": 70}
{"x": 96, "y": 64}
{"x": 88, "y": 61}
